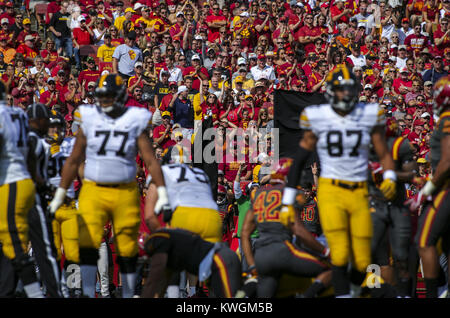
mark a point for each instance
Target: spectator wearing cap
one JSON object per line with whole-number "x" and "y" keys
{"x": 106, "y": 50}
{"x": 60, "y": 29}
{"x": 196, "y": 71}
{"x": 428, "y": 93}
{"x": 91, "y": 74}
{"x": 137, "y": 79}
{"x": 9, "y": 13}
{"x": 401, "y": 57}
{"x": 197, "y": 47}
{"x": 309, "y": 33}
{"x": 356, "y": 58}
{"x": 178, "y": 29}
{"x": 7, "y": 51}
{"x": 417, "y": 41}
{"x": 125, "y": 56}
{"x": 245, "y": 28}
{"x": 436, "y": 72}
{"x": 27, "y": 50}
{"x": 162, "y": 133}
{"x": 403, "y": 84}
{"x": 6, "y": 32}
{"x": 238, "y": 85}
{"x": 261, "y": 70}
{"x": 135, "y": 100}
{"x": 121, "y": 20}
{"x": 173, "y": 88}
{"x": 363, "y": 17}
{"x": 441, "y": 36}
{"x": 181, "y": 108}
{"x": 175, "y": 74}
{"x": 210, "y": 58}
{"x": 406, "y": 29}
{"x": 51, "y": 96}
{"x": 20, "y": 39}
{"x": 215, "y": 21}
{"x": 81, "y": 36}
{"x": 145, "y": 19}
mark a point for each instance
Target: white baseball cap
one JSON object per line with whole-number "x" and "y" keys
{"x": 195, "y": 57}
{"x": 241, "y": 61}
{"x": 137, "y": 6}
{"x": 182, "y": 89}
{"x": 244, "y": 14}
{"x": 368, "y": 86}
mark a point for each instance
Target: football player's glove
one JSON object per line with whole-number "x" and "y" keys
{"x": 342, "y": 79}
{"x": 58, "y": 200}
{"x": 388, "y": 186}
{"x": 287, "y": 215}
{"x": 163, "y": 200}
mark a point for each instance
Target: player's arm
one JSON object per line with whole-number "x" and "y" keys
{"x": 149, "y": 209}
{"x": 248, "y": 227}
{"x": 408, "y": 172}
{"x": 157, "y": 280}
{"x": 442, "y": 169}
{"x": 70, "y": 170}
{"x": 154, "y": 169}
{"x": 387, "y": 187}
{"x": 307, "y": 146}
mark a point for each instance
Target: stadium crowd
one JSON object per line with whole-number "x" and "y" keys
{"x": 186, "y": 61}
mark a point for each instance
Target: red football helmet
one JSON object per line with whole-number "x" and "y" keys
{"x": 441, "y": 94}
{"x": 391, "y": 127}
{"x": 279, "y": 174}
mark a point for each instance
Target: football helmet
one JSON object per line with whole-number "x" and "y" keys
{"x": 280, "y": 173}
{"x": 391, "y": 128}
{"x": 441, "y": 94}
{"x": 58, "y": 122}
{"x": 111, "y": 86}
{"x": 343, "y": 79}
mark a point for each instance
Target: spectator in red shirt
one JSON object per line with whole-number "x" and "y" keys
{"x": 309, "y": 33}
{"x": 339, "y": 14}
{"x": 162, "y": 133}
{"x": 136, "y": 99}
{"x": 51, "y": 96}
{"x": 402, "y": 85}
{"x": 9, "y": 13}
{"x": 173, "y": 88}
{"x": 81, "y": 36}
{"x": 417, "y": 41}
{"x": 89, "y": 75}
{"x": 27, "y": 31}
{"x": 215, "y": 21}
{"x": 195, "y": 71}
{"x": 28, "y": 51}
{"x": 50, "y": 54}
{"x": 442, "y": 36}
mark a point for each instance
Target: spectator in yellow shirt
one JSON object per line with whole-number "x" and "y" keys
{"x": 118, "y": 23}
{"x": 105, "y": 51}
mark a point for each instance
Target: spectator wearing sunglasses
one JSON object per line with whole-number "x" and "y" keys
{"x": 27, "y": 50}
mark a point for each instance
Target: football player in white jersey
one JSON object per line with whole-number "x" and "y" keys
{"x": 65, "y": 225}
{"x": 341, "y": 132}
{"x": 108, "y": 140}
{"x": 17, "y": 194}
{"x": 194, "y": 209}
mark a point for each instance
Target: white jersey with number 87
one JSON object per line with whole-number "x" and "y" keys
{"x": 343, "y": 141}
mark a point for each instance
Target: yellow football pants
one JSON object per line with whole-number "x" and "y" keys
{"x": 65, "y": 232}
{"x": 346, "y": 222}
{"x": 205, "y": 222}
{"x": 97, "y": 205}
{"x": 16, "y": 200}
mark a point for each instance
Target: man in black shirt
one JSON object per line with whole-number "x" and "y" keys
{"x": 17, "y": 27}
{"x": 60, "y": 29}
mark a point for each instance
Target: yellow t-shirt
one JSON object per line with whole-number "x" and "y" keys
{"x": 147, "y": 22}
{"x": 105, "y": 52}
{"x": 197, "y": 109}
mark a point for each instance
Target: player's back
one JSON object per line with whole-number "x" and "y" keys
{"x": 188, "y": 187}
{"x": 111, "y": 142}
{"x": 266, "y": 205}
{"x": 343, "y": 141}
{"x": 13, "y": 145}
{"x": 442, "y": 129}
